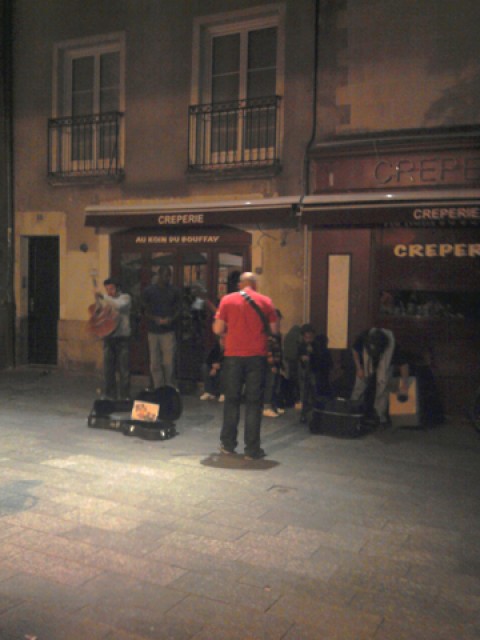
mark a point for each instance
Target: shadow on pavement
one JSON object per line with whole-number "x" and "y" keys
{"x": 237, "y": 462}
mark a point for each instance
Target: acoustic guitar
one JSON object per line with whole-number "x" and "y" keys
{"x": 103, "y": 317}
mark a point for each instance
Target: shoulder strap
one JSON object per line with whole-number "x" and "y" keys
{"x": 254, "y": 305}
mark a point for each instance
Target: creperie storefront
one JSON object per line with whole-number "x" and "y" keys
{"x": 419, "y": 278}
{"x": 395, "y": 227}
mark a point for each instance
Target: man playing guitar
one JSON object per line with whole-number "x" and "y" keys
{"x": 116, "y": 353}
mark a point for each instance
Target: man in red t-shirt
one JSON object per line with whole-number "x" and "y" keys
{"x": 245, "y": 362}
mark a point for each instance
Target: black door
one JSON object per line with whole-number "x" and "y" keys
{"x": 43, "y": 299}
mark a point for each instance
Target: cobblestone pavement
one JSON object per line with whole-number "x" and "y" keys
{"x": 106, "y": 537}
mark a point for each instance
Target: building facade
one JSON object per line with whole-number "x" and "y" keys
{"x": 393, "y": 203}
{"x": 311, "y": 141}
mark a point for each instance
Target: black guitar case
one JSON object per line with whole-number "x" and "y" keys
{"x": 339, "y": 417}
{"x": 116, "y": 415}
{"x": 100, "y": 416}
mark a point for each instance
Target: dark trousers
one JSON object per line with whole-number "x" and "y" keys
{"x": 307, "y": 383}
{"x": 248, "y": 374}
{"x": 273, "y": 383}
{"x": 212, "y": 384}
{"x": 116, "y": 358}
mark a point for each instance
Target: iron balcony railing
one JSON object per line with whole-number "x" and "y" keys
{"x": 87, "y": 145}
{"x": 244, "y": 133}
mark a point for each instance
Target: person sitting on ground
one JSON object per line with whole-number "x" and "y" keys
{"x": 212, "y": 372}
{"x": 272, "y": 407}
{"x": 315, "y": 366}
{"x": 290, "y": 384}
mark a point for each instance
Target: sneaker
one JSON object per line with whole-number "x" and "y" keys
{"x": 270, "y": 413}
{"x": 207, "y": 396}
{"x": 225, "y": 451}
{"x": 221, "y": 398}
{"x": 258, "y": 455}
{"x": 280, "y": 411}
{"x": 299, "y": 406}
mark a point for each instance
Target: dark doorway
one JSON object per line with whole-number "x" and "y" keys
{"x": 43, "y": 299}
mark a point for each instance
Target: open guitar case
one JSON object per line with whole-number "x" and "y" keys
{"x": 116, "y": 415}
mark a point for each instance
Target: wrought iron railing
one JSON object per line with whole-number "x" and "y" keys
{"x": 243, "y": 133}
{"x": 85, "y": 145}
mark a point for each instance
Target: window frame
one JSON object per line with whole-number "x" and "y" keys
{"x": 206, "y": 28}
{"x": 64, "y": 54}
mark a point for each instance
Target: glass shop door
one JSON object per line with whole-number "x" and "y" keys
{"x": 204, "y": 274}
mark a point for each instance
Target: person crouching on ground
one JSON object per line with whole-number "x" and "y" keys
{"x": 273, "y": 403}
{"x": 212, "y": 372}
{"x": 375, "y": 353}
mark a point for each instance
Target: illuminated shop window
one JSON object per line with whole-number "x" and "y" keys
{"x": 431, "y": 304}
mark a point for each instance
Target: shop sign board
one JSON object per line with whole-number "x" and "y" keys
{"x": 175, "y": 239}
{"x": 397, "y": 171}
{"x": 441, "y": 215}
{"x": 147, "y": 239}
{"x": 437, "y": 250}
{"x": 277, "y": 215}
{"x": 429, "y": 258}
{"x": 446, "y": 214}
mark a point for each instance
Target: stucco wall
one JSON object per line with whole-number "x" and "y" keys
{"x": 408, "y": 64}
{"x": 158, "y": 88}
{"x": 278, "y": 258}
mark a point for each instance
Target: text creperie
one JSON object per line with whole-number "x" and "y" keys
{"x": 182, "y": 218}
{"x": 442, "y": 250}
{"x": 447, "y": 213}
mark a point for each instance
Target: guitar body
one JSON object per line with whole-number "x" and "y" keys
{"x": 103, "y": 320}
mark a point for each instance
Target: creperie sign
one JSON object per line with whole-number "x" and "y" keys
{"x": 447, "y": 214}
{"x": 437, "y": 250}
{"x": 440, "y": 170}
{"x": 181, "y": 218}
{"x": 368, "y": 171}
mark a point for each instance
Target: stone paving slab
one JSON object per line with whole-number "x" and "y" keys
{"x": 104, "y": 537}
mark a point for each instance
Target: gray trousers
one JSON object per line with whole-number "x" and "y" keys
{"x": 162, "y": 347}
{"x": 382, "y": 390}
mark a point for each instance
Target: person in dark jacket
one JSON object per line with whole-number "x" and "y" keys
{"x": 162, "y": 305}
{"x": 315, "y": 366}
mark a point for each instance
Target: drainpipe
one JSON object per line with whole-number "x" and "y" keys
{"x": 7, "y": 306}
{"x": 306, "y": 172}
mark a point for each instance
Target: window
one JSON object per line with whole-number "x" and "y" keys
{"x": 94, "y": 89}
{"x": 239, "y": 77}
{"x": 86, "y": 137}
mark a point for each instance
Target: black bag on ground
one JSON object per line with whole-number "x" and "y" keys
{"x": 117, "y": 414}
{"x": 338, "y": 417}
{"x": 158, "y": 430}
{"x": 169, "y": 400}
{"x": 102, "y": 410}
{"x": 431, "y": 408}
